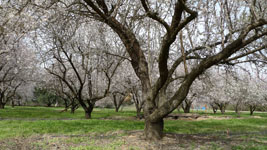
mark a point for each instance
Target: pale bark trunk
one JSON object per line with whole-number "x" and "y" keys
{"x": 162, "y": 97}
{"x": 153, "y": 129}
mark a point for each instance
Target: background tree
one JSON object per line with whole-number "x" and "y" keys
{"x": 75, "y": 59}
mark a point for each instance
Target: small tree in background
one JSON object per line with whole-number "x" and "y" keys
{"x": 45, "y": 97}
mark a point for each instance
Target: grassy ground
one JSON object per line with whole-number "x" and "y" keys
{"x": 47, "y": 128}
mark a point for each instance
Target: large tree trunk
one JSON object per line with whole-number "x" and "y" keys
{"x": 154, "y": 130}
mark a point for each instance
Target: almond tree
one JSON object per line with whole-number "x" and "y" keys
{"x": 231, "y": 27}
{"x": 16, "y": 70}
{"x": 256, "y": 95}
{"x": 74, "y": 58}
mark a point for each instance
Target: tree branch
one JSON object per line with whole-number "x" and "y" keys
{"x": 154, "y": 16}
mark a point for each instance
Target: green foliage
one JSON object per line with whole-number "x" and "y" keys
{"x": 44, "y": 97}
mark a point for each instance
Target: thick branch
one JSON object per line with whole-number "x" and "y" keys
{"x": 154, "y": 16}
{"x": 182, "y": 92}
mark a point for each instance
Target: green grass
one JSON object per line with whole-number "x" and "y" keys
{"x": 55, "y": 113}
{"x": 213, "y": 126}
{"x": 25, "y": 121}
{"x": 31, "y": 121}
{"x": 27, "y": 128}
{"x": 243, "y": 114}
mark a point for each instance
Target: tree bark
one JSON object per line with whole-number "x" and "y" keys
{"x": 222, "y": 108}
{"x": 237, "y": 110}
{"x": 138, "y": 113}
{"x": 187, "y": 106}
{"x": 72, "y": 110}
{"x": 49, "y": 104}
{"x": 117, "y": 109}
{"x": 178, "y": 109}
{"x": 88, "y": 115}
{"x": 252, "y": 109}
{"x": 12, "y": 104}
{"x": 2, "y": 106}
{"x": 88, "y": 111}
{"x": 214, "y": 110}
{"x": 117, "y": 104}
{"x": 154, "y": 130}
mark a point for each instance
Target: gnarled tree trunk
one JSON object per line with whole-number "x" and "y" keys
{"x": 154, "y": 130}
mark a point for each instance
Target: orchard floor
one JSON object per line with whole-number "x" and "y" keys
{"x": 37, "y": 128}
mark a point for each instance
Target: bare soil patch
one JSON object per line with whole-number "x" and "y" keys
{"x": 124, "y": 141}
